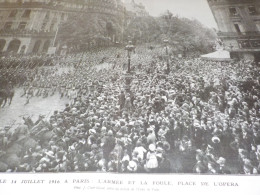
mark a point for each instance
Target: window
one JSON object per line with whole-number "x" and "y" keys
{"x": 47, "y": 16}
{"x": 52, "y": 27}
{"x": 43, "y": 26}
{"x": 249, "y": 43}
{"x": 252, "y": 10}
{"x": 63, "y": 16}
{"x": 233, "y": 11}
{"x": 244, "y": 44}
{"x": 258, "y": 26}
{"x": 22, "y": 25}
{"x": 255, "y": 43}
{"x": 13, "y": 14}
{"x": 237, "y": 28}
{"x": 26, "y": 13}
{"x": 8, "y": 26}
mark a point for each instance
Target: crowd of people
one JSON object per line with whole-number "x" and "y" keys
{"x": 202, "y": 117}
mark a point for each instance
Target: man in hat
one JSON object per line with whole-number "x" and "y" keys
{"x": 222, "y": 166}
{"x": 213, "y": 168}
{"x": 248, "y": 167}
{"x": 216, "y": 145}
{"x": 121, "y": 99}
{"x": 151, "y": 138}
{"x": 255, "y": 155}
{"x": 109, "y": 144}
{"x": 141, "y": 151}
{"x": 73, "y": 95}
{"x": 4, "y": 138}
{"x": 132, "y": 167}
{"x": 164, "y": 164}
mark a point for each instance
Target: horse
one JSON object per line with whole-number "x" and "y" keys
{"x": 6, "y": 95}
{"x": 28, "y": 121}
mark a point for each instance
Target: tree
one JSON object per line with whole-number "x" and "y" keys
{"x": 183, "y": 34}
{"x": 95, "y": 30}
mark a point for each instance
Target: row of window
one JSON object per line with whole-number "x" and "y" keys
{"x": 26, "y": 13}
{"x": 15, "y": 44}
{"x": 251, "y": 10}
{"x": 240, "y": 28}
{"x": 8, "y": 25}
{"x": 22, "y": 25}
{"x": 249, "y": 43}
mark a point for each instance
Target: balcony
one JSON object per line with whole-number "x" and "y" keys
{"x": 231, "y": 2}
{"x": 62, "y": 5}
{"x": 49, "y": 5}
{"x": 249, "y": 44}
{"x": 234, "y": 16}
{"x": 25, "y": 33}
{"x": 238, "y": 35}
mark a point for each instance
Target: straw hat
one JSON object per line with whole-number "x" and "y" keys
{"x": 215, "y": 140}
{"x": 221, "y": 161}
{"x": 132, "y": 166}
{"x": 152, "y": 147}
{"x": 110, "y": 133}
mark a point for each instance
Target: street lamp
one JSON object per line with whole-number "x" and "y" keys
{"x": 231, "y": 50}
{"x": 167, "y": 55}
{"x": 128, "y": 77}
{"x": 231, "y": 47}
{"x": 130, "y": 47}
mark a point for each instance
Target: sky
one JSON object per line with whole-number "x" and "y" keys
{"x": 198, "y": 9}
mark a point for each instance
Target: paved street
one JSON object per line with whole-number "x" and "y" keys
{"x": 37, "y": 105}
{"x": 46, "y": 106}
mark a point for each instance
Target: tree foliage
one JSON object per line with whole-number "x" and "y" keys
{"x": 83, "y": 28}
{"x": 183, "y": 34}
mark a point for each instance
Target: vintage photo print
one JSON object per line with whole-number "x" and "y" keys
{"x": 130, "y": 86}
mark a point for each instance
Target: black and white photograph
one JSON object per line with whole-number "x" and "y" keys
{"x": 130, "y": 87}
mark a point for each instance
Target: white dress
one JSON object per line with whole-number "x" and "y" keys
{"x": 152, "y": 161}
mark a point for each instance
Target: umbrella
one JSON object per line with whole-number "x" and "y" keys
{"x": 220, "y": 55}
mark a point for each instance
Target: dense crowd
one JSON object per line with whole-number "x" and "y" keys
{"x": 202, "y": 117}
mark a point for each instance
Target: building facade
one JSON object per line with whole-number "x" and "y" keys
{"x": 31, "y": 26}
{"x": 239, "y": 26}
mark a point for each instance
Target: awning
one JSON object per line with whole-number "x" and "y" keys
{"x": 220, "y": 55}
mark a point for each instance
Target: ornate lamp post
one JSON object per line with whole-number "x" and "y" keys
{"x": 167, "y": 55}
{"x": 231, "y": 47}
{"x": 130, "y": 47}
{"x": 128, "y": 77}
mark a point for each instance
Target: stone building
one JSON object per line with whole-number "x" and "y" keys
{"x": 31, "y": 26}
{"x": 239, "y": 26}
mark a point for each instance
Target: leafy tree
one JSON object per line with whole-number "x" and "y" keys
{"x": 183, "y": 34}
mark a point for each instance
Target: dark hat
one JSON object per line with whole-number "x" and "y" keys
{"x": 166, "y": 146}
